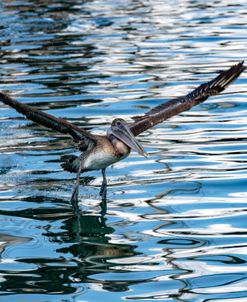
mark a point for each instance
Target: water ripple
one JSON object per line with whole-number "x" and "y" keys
{"x": 176, "y": 222}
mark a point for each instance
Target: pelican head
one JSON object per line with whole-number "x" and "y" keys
{"x": 120, "y": 129}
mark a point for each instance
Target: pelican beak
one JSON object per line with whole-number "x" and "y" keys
{"x": 123, "y": 133}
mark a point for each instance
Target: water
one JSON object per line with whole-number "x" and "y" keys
{"x": 175, "y": 228}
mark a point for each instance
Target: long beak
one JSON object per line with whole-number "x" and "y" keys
{"x": 125, "y": 135}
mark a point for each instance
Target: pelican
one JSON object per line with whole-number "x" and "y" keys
{"x": 100, "y": 151}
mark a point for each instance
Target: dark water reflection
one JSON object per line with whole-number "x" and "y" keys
{"x": 176, "y": 223}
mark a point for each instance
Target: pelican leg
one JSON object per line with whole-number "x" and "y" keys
{"x": 103, "y": 188}
{"x": 103, "y": 193}
{"x": 75, "y": 194}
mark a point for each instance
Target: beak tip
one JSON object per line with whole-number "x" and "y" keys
{"x": 143, "y": 153}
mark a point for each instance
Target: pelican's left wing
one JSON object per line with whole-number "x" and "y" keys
{"x": 48, "y": 120}
{"x": 200, "y": 94}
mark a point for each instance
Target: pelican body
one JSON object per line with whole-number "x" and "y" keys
{"x": 100, "y": 151}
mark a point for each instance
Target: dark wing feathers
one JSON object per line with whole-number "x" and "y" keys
{"x": 46, "y": 119}
{"x": 200, "y": 94}
{"x": 154, "y": 116}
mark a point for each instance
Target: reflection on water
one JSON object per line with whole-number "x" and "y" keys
{"x": 176, "y": 223}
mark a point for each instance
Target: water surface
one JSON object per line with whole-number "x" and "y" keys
{"x": 175, "y": 228}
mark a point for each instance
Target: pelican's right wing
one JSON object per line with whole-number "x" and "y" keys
{"x": 47, "y": 120}
{"x": 173, "y": 107}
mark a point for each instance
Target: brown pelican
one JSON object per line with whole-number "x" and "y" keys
{"x": 101, "y": 151}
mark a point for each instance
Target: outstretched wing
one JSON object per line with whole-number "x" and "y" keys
{"x": 200, "y": 94}
{"x": 47, "y": 120}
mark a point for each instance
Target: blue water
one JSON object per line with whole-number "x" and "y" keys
{"x": 175, "y": 228}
